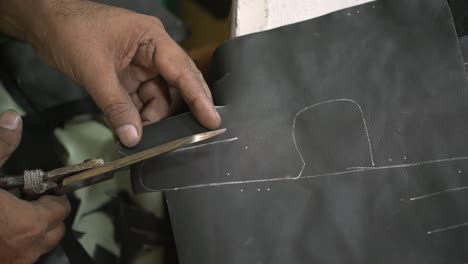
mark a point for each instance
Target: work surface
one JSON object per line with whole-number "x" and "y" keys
{"x": 345, "y": 145}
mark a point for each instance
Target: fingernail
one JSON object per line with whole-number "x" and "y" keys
{"x": 10, "y": 120}
{"x": 128, "y": 135}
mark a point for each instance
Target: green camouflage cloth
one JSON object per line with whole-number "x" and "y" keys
{"x": 86, "y": 138}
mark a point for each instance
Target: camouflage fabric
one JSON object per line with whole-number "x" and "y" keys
{"x": 103, "y": 206}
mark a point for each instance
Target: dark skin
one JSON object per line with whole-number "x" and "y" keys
{"x": 128, "y": 64}
{"x": 27, "y": 229}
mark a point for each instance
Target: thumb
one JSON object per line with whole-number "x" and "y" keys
{"x": 10, "y": 134}
{"x": 121, "y": 113}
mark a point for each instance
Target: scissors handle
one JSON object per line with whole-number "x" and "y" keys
{"x": 37, "y": 182}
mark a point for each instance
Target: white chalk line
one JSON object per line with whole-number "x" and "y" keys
{"x": 207, "y": 144}
{"x": 359, "y": 168}
{"x": 446, "y": 228}
{"x": 416, "y": 163}
{"x": 349, "y": 170}
{"x": 439, "y": 193}
{"x": 327, "y": 102}
{"x": 397, "y": 166}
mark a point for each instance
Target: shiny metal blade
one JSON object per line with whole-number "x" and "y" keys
{"x": 146, "y": 154}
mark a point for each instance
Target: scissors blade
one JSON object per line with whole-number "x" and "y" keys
{"x": 135, "y": 158}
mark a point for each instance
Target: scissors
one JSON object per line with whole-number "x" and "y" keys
{"x": 35, "y": 183}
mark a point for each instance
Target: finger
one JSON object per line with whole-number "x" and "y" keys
{"x": 53, "y": 209}
{"x": 154, "y": 89}
{"x": 176, "y": 101}
{"x": 24, "y": 222}
{"x": 134, "y": 75}
{"x": 136, "y": 101}
{"x": 53, "y": 238}
{"x": 117, "y": 106}
{"x": 10, "y": 134}
{"x": 26, "y": 226}
{"x": 155, "y": 97}
{"x": 179, "y": 71}
{"x": 140, "y": 69}
{"x": 154, "y": 112}
{"x": 11, "y": 205}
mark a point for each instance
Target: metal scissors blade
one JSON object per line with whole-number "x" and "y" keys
{"x": 135, "y": 158}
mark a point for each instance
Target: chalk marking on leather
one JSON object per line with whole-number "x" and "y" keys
{"x": 359, "y": 168}
{"x": 439, "y": 193}
{"x": 446, "y": 228}
{"x": 327, "y": 102}
{"x": 405, "y": 165}
{"x": 207, "y": 144}
{"x": 240, "y": 182}
{"x": 303, "y": 177}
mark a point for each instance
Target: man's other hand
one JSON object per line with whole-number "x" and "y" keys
{"x": 27, "y": 229}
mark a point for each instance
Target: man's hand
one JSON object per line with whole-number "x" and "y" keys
{"x": 27, "y": 229}
{"x": 126, "y": 61}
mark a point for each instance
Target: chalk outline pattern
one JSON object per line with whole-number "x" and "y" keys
{"x": 349, "y": 171}
{"x": 371, "y": 154}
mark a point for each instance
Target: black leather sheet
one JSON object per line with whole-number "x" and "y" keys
{"x": 377, "y": 85}
{"x": 464, "y": 48}
{"x": 345, "y": 144}
{"x": 372, "y": 217}
{"x": 460, "y": 15}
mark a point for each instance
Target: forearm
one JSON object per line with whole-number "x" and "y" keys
{"x": 28, "y": 19}
{"x": 17, "y": 18}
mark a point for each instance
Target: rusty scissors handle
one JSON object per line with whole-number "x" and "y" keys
{"x": 34, "y": 182}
